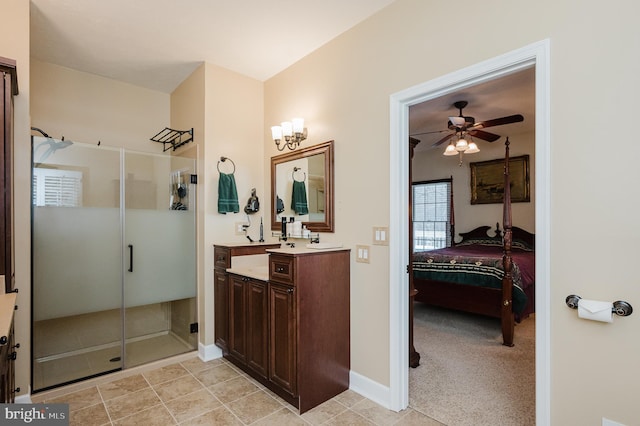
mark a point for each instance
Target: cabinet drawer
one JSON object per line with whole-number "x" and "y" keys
{"x": 281, "y": 269}
{"x": 221, "y": 257}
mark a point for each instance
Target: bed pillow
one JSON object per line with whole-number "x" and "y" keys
{"x": 522, "y": 245}
{"x": 493, "y": 242}
{"x": 481, "y": 242}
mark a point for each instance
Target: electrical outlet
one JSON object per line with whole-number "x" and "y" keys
{"x": 362, "y": 254}
{"x": 381, "y": 236}
{"x": 240, "y": 228}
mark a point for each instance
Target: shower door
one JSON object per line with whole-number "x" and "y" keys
{"x": 160, "y": 257}
{"x": 113, "y": 260}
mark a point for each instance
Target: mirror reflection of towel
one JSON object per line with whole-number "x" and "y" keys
{"x": 299, "y": 198}
{"x": 227, "y": 194}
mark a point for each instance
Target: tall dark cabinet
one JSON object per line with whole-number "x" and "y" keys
{"x": 8, "y": 90}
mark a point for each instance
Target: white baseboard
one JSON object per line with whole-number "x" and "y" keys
{"x": 24, "y": 399}
{"x": 209, "y": 352}
{"x": 366, "y": 387}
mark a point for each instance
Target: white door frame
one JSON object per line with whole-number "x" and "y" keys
{"x": 536, "y": 54}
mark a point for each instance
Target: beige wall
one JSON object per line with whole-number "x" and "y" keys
{"x": 431, "y": 164}
{"x": 14, "y": 44}
{"x": 88, "y": 108}
{"x": 226, "y": 110}
{"x": 343, "y": 90}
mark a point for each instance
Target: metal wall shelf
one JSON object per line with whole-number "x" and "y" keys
{"x": 173, "y": 138}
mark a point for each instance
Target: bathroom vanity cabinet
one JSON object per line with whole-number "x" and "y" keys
{"x": 8, "y": 89}
{"x": 290, "y": 328}
{"x": 222, "y": 255}
{"x": 8, "y": 348}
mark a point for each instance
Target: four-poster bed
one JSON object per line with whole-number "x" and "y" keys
{"x": 482, "y": 274}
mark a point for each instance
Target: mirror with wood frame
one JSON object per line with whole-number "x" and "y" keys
{"x": 302, "y": 187}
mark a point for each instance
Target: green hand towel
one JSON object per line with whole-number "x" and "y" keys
{"x": 299, "y": 198}
{"x": 227, "y": 194}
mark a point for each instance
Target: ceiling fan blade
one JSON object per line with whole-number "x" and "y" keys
{"x": 443, "y": 140}
{"x": 499, "y": 121}
{"x": 428, "y": 133}
{"x": 481, "y": 134}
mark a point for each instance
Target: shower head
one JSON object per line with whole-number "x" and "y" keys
{"x": 53, "y": 145}
{"x": 41, "y": 132}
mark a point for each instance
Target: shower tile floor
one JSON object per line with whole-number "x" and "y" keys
{"x": 80, "y": 346}
{"x": 187, "y": 391}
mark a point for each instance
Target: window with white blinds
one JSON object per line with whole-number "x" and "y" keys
{"x": 55, "y": 187}
{"x": 431, "y": 214}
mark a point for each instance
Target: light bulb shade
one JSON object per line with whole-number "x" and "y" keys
{"x": 298, "y": 125}
{"x": 472, "y": 149}
{"x": 276, "y": 133}
{"x": 462, "y": 145}
{"x": 287, "y": 128}
{"x": 451, "y": 150}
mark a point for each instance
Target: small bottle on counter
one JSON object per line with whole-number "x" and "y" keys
{"x": 296, "y": 229}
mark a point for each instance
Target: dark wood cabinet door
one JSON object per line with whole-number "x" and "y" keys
{"x": 221, "y": 303}
{"x": 257, "y": 326}
{"x": 8, "y": 89}
{"x": 237, "y": 316}
{"x": 282, "y": 337}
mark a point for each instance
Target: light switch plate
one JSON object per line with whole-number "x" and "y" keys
{"x": 363, "y": 253}
{"x": 381, "y": 236}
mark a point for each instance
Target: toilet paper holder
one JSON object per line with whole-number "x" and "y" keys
{"x": 620, "y": 307}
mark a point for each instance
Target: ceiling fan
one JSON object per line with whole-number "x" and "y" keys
{"x": 463, "y": 125}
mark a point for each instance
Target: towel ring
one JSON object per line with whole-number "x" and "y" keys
{"x": 295, "y": 169}
{"x": 223, "y": 159}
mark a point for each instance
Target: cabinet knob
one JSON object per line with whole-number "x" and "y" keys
{"x": 290, "y": 290}
{"x": 3, "y": 340}
{"x": 12, "y": 356}
{"x": 16, "y": 390}
{"x": 17, "y": 346}
{"x": 279, "y": 269}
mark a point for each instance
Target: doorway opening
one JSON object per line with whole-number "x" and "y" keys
{"x": 535, "y": 55}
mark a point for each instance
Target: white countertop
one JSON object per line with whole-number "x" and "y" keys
{"x": 304, "y": 250}
{"x": 7, "y": 307}
{"x": 260, "y": 272}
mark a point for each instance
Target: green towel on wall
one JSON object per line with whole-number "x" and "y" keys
{"x": 299, "y": 198}
{"x": 227, "y": 194}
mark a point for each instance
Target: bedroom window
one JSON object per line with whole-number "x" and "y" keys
{"x": 56, "y": 187}
{"x": 431, "y": 214}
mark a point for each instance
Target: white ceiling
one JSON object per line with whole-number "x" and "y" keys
{"x": 158, "y": 43}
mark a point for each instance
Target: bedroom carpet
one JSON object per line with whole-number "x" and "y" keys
{"x": 466, "y": 376}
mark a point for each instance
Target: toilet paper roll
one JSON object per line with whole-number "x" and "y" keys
{"x": 595, "y": 310}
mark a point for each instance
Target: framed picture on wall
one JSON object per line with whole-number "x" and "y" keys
{"x": 487, "y": 180}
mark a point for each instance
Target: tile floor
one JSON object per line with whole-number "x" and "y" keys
{"x": 192, "y": 392}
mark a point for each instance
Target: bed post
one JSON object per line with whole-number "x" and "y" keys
{"x": 507, "y": 281}
{"x": 452, "y": 218}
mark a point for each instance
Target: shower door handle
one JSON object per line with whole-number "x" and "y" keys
{"x": 130, "y": 258}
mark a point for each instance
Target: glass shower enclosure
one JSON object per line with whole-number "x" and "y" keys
{"x": 113, "y": 259}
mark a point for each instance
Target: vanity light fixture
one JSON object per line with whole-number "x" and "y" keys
{"x": 463, "y": 145}
{"x": 292, "y": 131}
